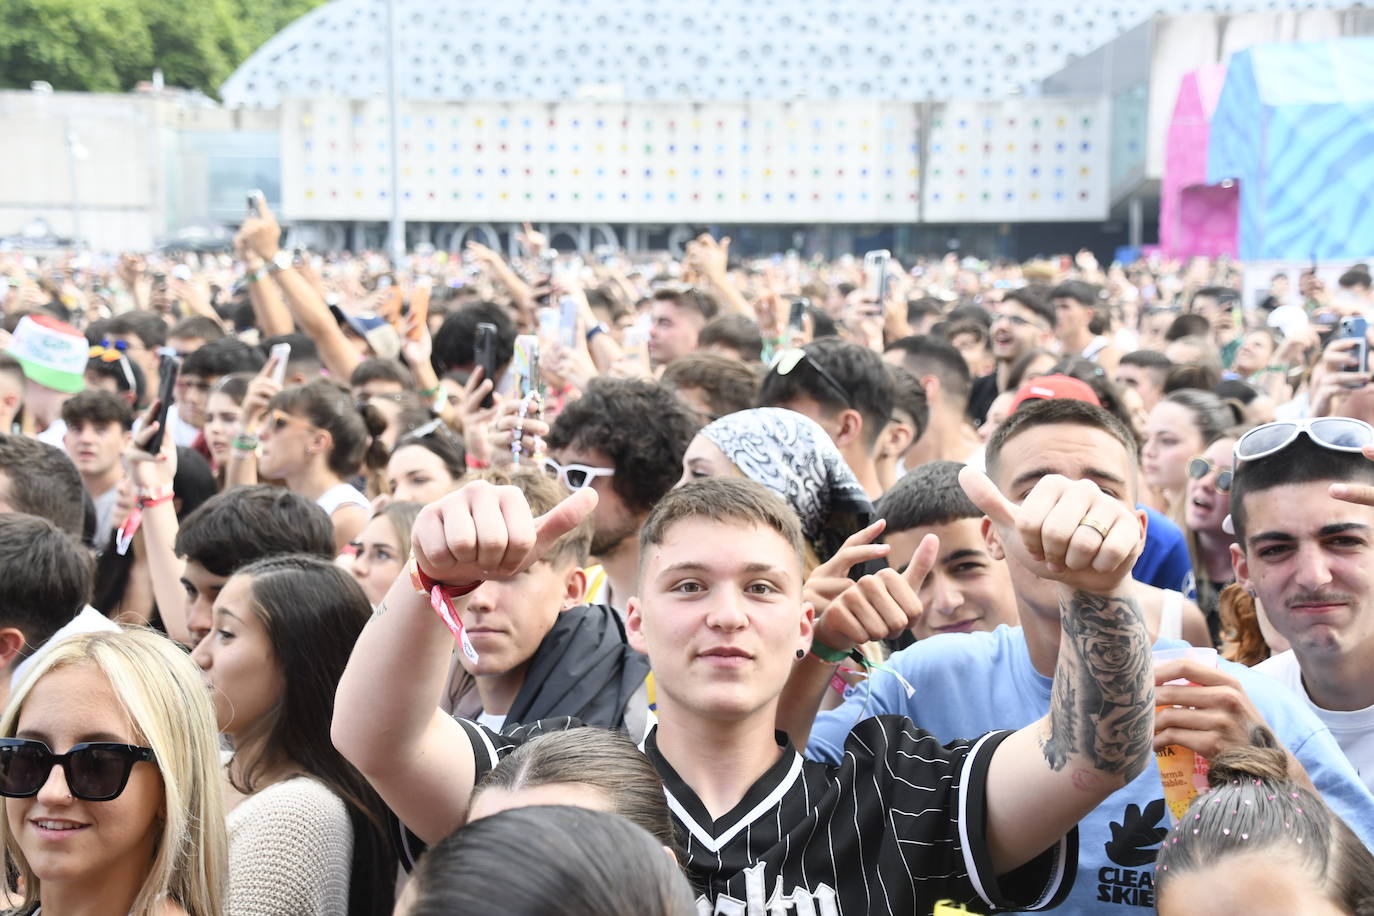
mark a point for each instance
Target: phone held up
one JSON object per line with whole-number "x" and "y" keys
{"x": 1356, "y": 329}
{"x": 484, "y": 355}
{"x": 875, "y": 275}
{"x": 796, "y": 317}
{"x": 279, "y": 357}
{"x": 167, "y": 370}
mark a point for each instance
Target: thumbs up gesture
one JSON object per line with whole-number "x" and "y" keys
{"x": 482, "y": 531}
{"x": 879, "y": 606}
{"x": 1065, "y": 530}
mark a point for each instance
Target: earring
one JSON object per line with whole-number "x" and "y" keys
{"x": 801, "y": 654}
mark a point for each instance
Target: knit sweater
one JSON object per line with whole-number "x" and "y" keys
{"x": 290, "y": 852}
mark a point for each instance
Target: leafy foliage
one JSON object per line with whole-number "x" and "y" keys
{"x": 109, "y": 45}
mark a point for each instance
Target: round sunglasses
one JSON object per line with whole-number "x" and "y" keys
{"x": 95, "y": 770}
{"x": 1200, "y": 467}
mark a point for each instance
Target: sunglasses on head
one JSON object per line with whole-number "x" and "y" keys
{"x": 575, "y": 476}
{"x": 95, "y": 771}
{"x": 279, "y": 419}
{"x": 788, "y": 360}
{"x": 1200, "y": 467}
{"x": 1340, "y": 434}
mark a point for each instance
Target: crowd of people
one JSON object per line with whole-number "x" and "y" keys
{"x": 677, "y": 585}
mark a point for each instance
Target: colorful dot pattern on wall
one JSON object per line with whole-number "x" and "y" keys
{"x": 752, "y": 163}
{"x": 1023, "y": 160}
{"x": 606, "y": 162}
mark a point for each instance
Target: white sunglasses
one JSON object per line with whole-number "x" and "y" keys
{"x": 575, "y": 476}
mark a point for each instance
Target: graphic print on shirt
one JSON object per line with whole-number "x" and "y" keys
{"x": 823, "y": 901}
{"x": 1133, "y": 846}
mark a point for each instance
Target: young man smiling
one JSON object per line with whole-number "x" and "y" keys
{"x": 902, "y": 823}
{"x": 968, "y": 589}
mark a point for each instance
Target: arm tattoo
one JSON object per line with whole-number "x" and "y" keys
{"x": 1103, "y": 701}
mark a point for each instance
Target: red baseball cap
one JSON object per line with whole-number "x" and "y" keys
{"x": 1055, "y": 386}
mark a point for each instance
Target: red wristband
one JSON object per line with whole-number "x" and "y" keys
{"x": 441, "y": 598}
{"x": 475, "y": 463}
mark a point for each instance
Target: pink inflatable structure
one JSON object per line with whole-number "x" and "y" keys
{"x": 1195, "y": 218}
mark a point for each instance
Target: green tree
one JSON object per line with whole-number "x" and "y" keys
{"x": 197, "y": 43}
{"x": 90, "y": 45}
{"x": 109, "y": 45}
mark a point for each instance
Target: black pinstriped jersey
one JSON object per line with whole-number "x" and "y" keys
{"x": 894, "y": 828}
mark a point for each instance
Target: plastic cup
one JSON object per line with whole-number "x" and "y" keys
{"x": 1182, "y": 771}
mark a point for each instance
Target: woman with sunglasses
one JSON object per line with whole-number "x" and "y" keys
{"x": 425, "y": 465}
{"x": 307, "y": 835}
{"x": 314, "y": 439}
{"x": 1206, "y": 505}
{"x": 110, "y": 771}
{"x": 1179, "y": 427}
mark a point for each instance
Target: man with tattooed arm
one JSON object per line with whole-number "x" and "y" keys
{"x": 902, "y": 821}
{"x": 967, "y": 684}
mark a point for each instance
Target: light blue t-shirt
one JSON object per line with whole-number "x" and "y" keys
{"x": 969, "y": 684}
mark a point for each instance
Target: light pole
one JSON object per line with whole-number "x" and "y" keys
{"x": 396, "y": 237}
{"x": 75, "y": 151}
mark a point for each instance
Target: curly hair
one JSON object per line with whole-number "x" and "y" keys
{"x": 640, "y": 426}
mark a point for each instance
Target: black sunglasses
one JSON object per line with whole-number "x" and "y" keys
{"x": 786, "y": 361}
{"x": 96, "y": 771}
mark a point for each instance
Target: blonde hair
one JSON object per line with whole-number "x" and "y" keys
{"x": 164, "y": 697}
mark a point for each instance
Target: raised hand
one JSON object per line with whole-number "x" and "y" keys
{"x": 1065, "y": 530}
{"x": 828, "y": 580}
{"x": 507, "y": 424}
{"x": 260, "y": 392}
{"x": 1209, "y": 714}
{"x": 879, "y": 606}
{"x": 482, "y": 531}
{"x": 261, "y": 234}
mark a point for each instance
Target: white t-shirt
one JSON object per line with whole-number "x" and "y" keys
{"x": 340, "y": 495}
{"x": 88, "y": 621}
{"x": 183, "y": 433}
{"x": 54, "y": 434}
{"x": 1353, "y": 730}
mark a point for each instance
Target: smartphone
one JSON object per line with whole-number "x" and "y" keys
{"x": 484, "y": 355}
{"x": 567, "y": 321}
{"x": 419, "y": 307}
{"x": 796, "y": 318}
{"x": 525, "y": 363}
{"x": 875, "y": 275}
{"x": 254, "y": 208}
{"x": 282, "y": 354}
{"x": 167, "y": 371}
{"x": 549, "y": 330}
{"x": 1356, "y": 328}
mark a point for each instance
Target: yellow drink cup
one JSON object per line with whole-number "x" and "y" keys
{"x": 1182, "y": 772}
